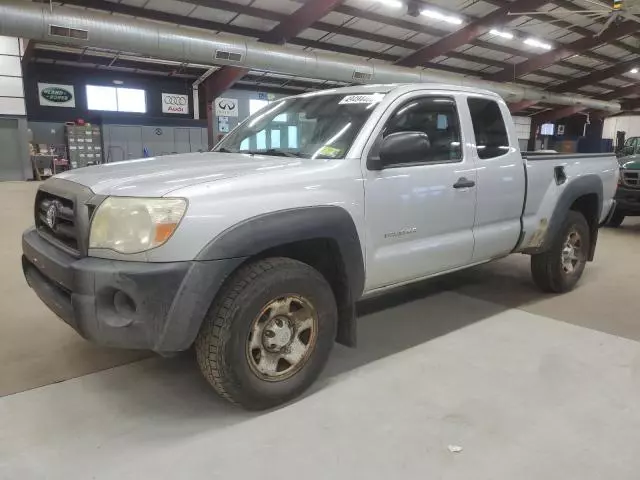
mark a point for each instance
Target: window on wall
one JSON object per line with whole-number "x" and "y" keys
{"x": 256, "y": 105}
{"x": 275, "y": 138}
{"x": 116, "y": 99}
{"x": 292, "y": 136}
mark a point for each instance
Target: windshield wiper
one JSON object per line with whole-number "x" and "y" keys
{"x": 225, "y": 150}
{"x": 277, "y": 153}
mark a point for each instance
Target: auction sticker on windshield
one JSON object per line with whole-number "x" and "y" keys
{"x": 366, "y": 99}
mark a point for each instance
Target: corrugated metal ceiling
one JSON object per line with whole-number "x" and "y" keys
{"x": 367, "y": 18}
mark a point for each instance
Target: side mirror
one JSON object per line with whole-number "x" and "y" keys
{"x": 403, "y": 147}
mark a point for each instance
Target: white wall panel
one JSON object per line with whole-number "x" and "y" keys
{"x": 630, "y": 124}
{"x": 523, "y": 127}
{"x": 9, "y": 46}
{"x": 12, "y": 106}
{"x": 11, "y": 87}
{"x": 10, "y": 66}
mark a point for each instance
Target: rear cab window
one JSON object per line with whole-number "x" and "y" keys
{"x": 489, "y": 128}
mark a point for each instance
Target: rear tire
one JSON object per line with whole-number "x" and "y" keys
{"x": 268, "y": 334}
{"x": 558, "y": 269}
{"x": 616, "y": 220}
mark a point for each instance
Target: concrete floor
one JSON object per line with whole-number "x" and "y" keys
{"x": 527, "y": 384}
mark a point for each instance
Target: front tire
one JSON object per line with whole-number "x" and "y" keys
{"x": 558, "y": 269}
{"x": 268, "y": 334}
{"x": 616, "y": 220}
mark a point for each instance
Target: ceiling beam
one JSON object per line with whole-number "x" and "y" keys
{"x": 386, "y": 20}
{"x": 564, "y": 51}
{"x": 124, "y": 9}
{"x": 292, "y": 25}
{"x": 309, "y": 13}
{"x": 468, "y": 33}
{"x": 520, "y": 106}
{"x": 255, "y": 33}
{"x": 622, "y": 92}
{"x": 585, "y": 32}
{"x": 106, "y": 62}
{"x": 553, "y": 115}
{"x": 633, "y": 104}
{"x": 567, "y": 5}
{"x": 353, "y": 32}
{"x": 597, "y": 76}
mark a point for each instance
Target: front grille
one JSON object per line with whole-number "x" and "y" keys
{"x": 631, "y": 178}
{"x": 73, "y": 206}
{"x": 62, "y": 224}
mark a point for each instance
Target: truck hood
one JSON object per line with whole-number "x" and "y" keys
{"x": 158, "y": 176}
{"x": 632, "y": 162}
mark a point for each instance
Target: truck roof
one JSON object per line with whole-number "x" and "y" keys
{"x": 404, "y": 87}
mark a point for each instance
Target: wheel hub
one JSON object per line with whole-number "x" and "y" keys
{"x": 571, "y": 252}
{"x": 282, "y": 338}
{"x": 277, "y": 334}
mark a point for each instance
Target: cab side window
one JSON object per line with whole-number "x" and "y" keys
{"x": 435, "y": 116}
{"x": 489, "y": 128}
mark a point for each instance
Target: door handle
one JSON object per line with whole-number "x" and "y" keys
{"x": 463, "y": 182}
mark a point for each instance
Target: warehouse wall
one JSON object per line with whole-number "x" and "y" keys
{"x": 630, "y": 124}
{"x": 79, "y": 78}
{"x": 14, "y": 161}
{"x": 126, "y": 142}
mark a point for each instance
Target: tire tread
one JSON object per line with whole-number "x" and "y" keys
{"x": 543, "y": 265}
{"x": 216, "y": 327}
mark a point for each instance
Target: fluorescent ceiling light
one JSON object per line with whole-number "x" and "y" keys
{"x": 499, "y": 33}
{"x": 634, "y": 70}
{"x": 441, "y": 16}
{"x": 537, "y": 43}
{"x": 391, "y": 3}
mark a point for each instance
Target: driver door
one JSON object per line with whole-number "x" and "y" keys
{"x": 419, "y": 214}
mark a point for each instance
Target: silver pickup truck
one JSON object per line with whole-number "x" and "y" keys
{"x": 255, "y": 253}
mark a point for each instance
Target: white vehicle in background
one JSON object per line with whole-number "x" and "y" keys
{"x": 256, "y": 253}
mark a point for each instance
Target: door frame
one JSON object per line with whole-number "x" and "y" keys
{"x": 467, "y": 162}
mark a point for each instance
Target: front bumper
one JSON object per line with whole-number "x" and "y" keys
{"x": 628, "y": 200}
{"x": 155, "y": 306}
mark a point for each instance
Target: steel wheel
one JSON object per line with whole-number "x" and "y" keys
{"x": 572, "y": 252}
{"x": 282, "y": 338}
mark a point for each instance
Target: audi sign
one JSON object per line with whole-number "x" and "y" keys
{"x": 174, "y": 103}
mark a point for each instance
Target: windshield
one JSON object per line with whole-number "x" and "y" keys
{"x": 318, "y": 126}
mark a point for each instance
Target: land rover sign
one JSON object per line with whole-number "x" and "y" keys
{"x": 53, "y": 95}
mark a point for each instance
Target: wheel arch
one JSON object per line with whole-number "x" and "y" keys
{"x": 583, "y": 194}
{"x": 324, "y": 237}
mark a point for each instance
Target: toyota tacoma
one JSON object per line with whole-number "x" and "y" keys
{"x": 255, "y": 253}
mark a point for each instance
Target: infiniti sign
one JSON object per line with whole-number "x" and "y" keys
{"x": 226, "y": 107}
{"x": 174, "y": 103}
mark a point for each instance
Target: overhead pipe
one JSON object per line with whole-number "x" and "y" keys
{"x": 88, "y": 28}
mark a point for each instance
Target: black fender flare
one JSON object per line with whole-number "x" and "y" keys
{"x": 260, "y": 233}
{"x": 578, "y": 187}
{"x": 275, "y": 229}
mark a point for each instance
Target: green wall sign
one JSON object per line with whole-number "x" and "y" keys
{"x": 56, "y": 94}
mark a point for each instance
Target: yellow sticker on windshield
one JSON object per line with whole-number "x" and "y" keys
{"x": 330, "y": 151}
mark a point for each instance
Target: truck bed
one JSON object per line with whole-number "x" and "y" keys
{"x": 549, "y": 174}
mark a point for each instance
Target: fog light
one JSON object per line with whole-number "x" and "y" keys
{"x": 124, "y": 306}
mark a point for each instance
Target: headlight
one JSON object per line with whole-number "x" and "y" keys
{"x": 133, "y": 225}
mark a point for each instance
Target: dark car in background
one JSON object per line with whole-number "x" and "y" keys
{"x": 628, "y": 192}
